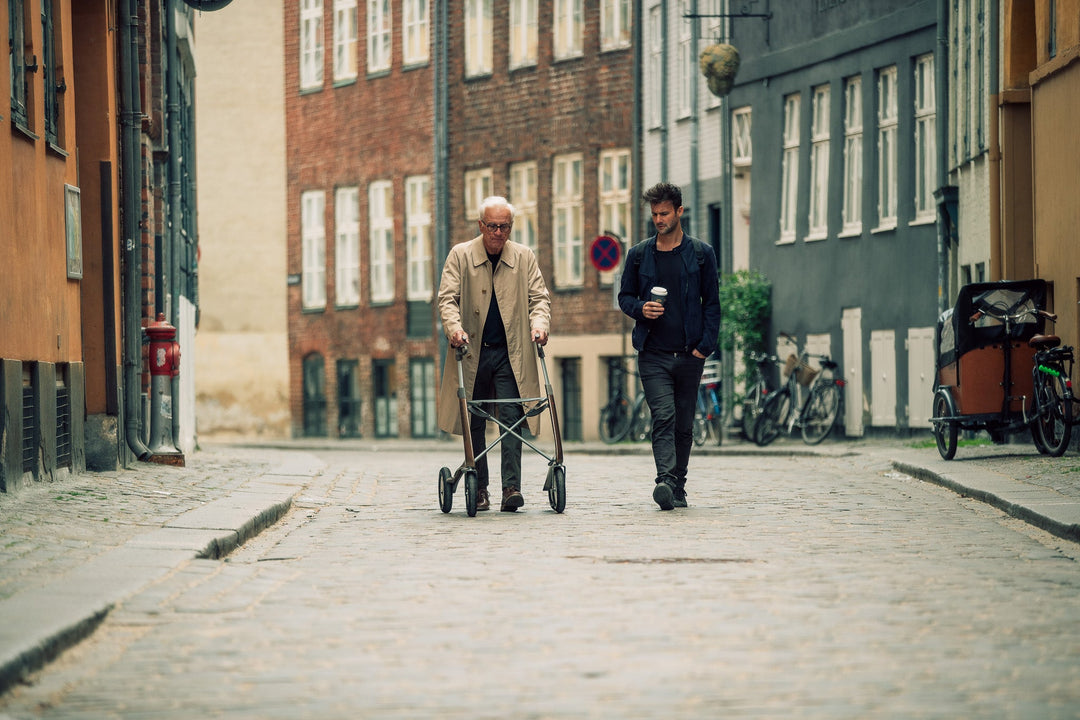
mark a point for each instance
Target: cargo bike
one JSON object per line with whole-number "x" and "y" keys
{"x": 554, "y": 483}
{"x": 999, "y": 371}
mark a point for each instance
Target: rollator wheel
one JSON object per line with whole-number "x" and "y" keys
{"x": 446, "y": 490}
{"x": 557, "y": 489}
{"x": 471, "y": 491}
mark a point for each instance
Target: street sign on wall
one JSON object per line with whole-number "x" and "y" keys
{"x": 605, "y": 253}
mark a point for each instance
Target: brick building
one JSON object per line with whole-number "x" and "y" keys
{"x": 533, "y": 101}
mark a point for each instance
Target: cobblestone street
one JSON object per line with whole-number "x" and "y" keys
{"x": 829, "y": 587}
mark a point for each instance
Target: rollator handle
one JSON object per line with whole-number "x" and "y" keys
{"x": 462, "y": 351}
{"x": 539, "y": 347}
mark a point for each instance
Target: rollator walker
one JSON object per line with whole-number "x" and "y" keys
{"x": 554, "y": 484}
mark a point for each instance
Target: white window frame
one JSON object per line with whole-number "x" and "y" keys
{"x": 567, "y": 220}
{"x": 311, "y": 44}
{"x": 419, "y": 280}
{"x": 345, "y": 24}
{"x": 853, "y": 157}
{"x": 379, "y": 36}
{"x": 615, "y": 24}
{"x": 524, "y": 33}
{"x": 616, "y": 209}
{"x": 567, "y": 29}
{"x": 789, "y": 169}
{"x": 478, "y": 38}
{"x": 925, "y": 139}
{"x": 742, "y": 149}
{"x": 888, "y": 121}
{"x": 687, "y": 72}
{"x": 656, "y": 65}
{"x": 819, "y": 164}
{"x": 523, "y": 193}
{"x": 347, "y": 246}
{"x": 381, "y": 240}
{"x": 313, "y": 249}
{"x": 415, "y": 32}
{"x": 714, "y": 31}
{"x": 478, "y": 185}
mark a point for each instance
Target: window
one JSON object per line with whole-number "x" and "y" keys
{"x": 614, "y": 24}
{"x": 384, "y": 381}
{"x": 925, "y": 138}
{"x": 819, "y": 164}
{"x": 313, "y": 239}
{"x": 853, "y": 156}
{"x": 567, "y": 227}
{"x": 381, "y": 240}
{"x": 422, "y": 393}
{"x": 523, "y": 197}
{"x": 742, "y": 154}
{"x": 314, "y": 396}
{"x": 348, "y": 392}
{"x": 477, "y": 187}
{"x": 567, "y": 32}
{"x": 886, "y": 148}
{"x": 344, "y": 39}
{"x": 19, "y": 47}
{"x": 49, "y": 71}
{"x": 714, "y": 33}
{"x": 615, "y": 207}
{"x": 523, "y": 33}
{"x": 378, "y": 34}
{"x": 419, "y": 272}
{"x": 347, "y": 246}
{"x": 968, "y": 78}
{"x": 478, "y": 32}
{"x": 656, "y": 65}
{"x": 789, "y": 170}
{"x": 415, "y": 32}
{"x": 687, "y": 72}
{"x": 311, "y": 44}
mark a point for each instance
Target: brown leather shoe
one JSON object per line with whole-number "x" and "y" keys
{"x": 512, "y": 499}
{"x": 483, "y": 502}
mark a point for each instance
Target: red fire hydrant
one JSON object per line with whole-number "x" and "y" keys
{"x": 164, "y": 366}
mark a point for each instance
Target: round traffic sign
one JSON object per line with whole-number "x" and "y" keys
{"x": 605, "y": 253}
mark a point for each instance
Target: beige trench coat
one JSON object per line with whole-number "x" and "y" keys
{"x": 464, "y": 297}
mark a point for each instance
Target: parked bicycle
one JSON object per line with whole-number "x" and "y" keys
{"x": 809, "y": 400}
{"x": 757, "y": 390}
{"x": 985, "y": 345}
{"x": 709, "y": 417}
{"x": 624, "y": 416}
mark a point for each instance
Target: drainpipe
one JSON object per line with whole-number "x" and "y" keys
{"x": 175, "y": 234}
{"x": 943, "y": 195}
{"x": 131, "y": 175}
{"x": 695, "y": 126}
{"x": 440, "y": 133}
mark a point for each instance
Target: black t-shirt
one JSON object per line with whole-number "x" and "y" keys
{"x": 494, "y": 332}
{"x": 666, "y": 333}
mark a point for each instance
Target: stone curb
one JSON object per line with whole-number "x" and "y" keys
{"x": 40, "y": 624}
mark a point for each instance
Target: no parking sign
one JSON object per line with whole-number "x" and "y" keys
{"x": 605, "y": 253}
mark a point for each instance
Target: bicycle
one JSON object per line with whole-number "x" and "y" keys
{"x": 757, "y": 391}
{"x": 816, "y": 394}
{"x": 623, "y": 416}
{"x": 709, "y": 416}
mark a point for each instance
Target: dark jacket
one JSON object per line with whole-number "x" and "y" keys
{"x": 700, "y": 291}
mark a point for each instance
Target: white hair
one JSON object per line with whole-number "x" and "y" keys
{"x": 495, "y": 201}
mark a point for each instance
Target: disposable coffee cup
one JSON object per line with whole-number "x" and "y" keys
{"x": 659, "y": 295}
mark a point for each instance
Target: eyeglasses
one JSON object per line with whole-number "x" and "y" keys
{"x": 499, "y": 227}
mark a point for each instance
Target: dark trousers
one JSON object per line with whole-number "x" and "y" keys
{"x": 671, "y": 387}
{"x": 495, "y": 379}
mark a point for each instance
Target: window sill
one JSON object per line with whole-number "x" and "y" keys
{"x": 615, "y": 48}
{"x": 816, "y": 238}
{"x": 786, "y": 241}
{"x": 850, "y": 233}
{"x": 311, "y": 90}
{"x": 883, "y": 229}
{"x": 344, "y": 82}
{"x": 355, "y": 305}
{"x": 55, "y": 149}
{"x": 313, "y": 310}
{"x": 415, "y": 64}
{"x": 924, "y": 220}
{"x": 24, "y": 131}
{"x": 380, "y": 73}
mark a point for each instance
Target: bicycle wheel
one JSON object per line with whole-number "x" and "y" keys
{"x": 751, "y": 408}
{"x": 945, "y": 432}
{"x": 701, "y": 429}
{"x": 773, "y": 417}
{"x": 1054, "y": 423}
{"x": 615, "y": 419}
{"x": 819, "y": 417}
{"x": 641, "y": 428}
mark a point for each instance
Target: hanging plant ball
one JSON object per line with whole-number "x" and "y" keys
{"x": 719, "y": 63}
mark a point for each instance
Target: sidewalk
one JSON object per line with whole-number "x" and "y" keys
{"x": 74, "y": 548}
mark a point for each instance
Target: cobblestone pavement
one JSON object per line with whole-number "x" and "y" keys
{"x": 828, "y": 586}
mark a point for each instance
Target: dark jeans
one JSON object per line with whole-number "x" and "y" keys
{"x": 671, "y": 387}
{"x": 495, "y": 379}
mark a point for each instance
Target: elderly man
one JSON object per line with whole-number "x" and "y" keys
{"x": 493, "y": 298}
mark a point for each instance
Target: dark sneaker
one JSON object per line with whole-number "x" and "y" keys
{"x": 483, "y": 500}
{"x": 512, "y": 499}
{"x": 664, "y": 496}
{"x": 680, "y": 497}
